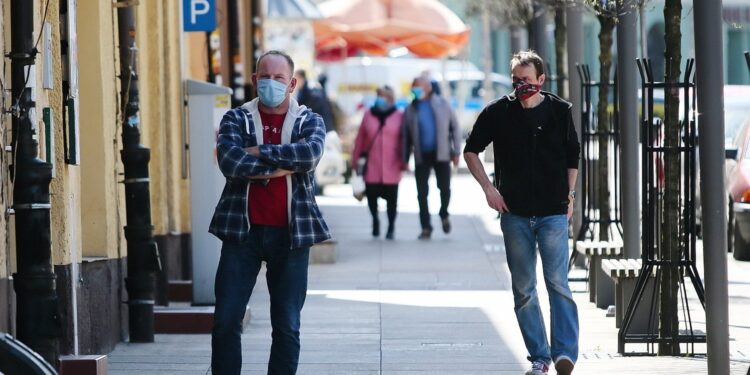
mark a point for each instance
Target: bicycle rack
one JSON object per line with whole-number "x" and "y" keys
{"x": 654, "y": 152}
{"x": 589, "y": 171}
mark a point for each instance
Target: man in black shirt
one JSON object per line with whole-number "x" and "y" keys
{"x": 536, "y": 165}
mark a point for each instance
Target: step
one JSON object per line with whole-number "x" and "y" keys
{"x": 180, "y": 291}
{"x": 83, "y": 364}
{"x": 187, "y": 319}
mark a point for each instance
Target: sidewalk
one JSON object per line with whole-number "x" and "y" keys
{"x": 422, "y": 307}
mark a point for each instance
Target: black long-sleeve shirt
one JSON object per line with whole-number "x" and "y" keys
{"x": 534, "y": 148}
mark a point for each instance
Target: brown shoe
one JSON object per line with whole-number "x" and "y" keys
{"x": 564, "y": 366}
{"x": 425, "y": 235}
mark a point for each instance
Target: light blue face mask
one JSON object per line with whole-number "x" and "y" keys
{"x": 271, "y": 92}
{"x": 418, "y": 92}
{"x": 381, "y": 103}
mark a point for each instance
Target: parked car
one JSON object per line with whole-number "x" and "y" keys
{"x": 737, "y": 133}
{"x": 331, "y": 168}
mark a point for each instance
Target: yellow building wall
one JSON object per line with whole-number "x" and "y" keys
{"x": 103, "y": 209}
{"x": 87, "y": 218}
{"x": 65, "y": 223}
{"x": 161, "y": 112}
{"x": 6, "y": 252}
{"x": 196, "y": 52}
{"x": 152, "y": 100}
{"x": 178, "y": 187}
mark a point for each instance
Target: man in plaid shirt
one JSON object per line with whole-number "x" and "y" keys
{"x": 267, "y": 149}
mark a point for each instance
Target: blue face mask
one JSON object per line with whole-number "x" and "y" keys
{"x": 381, "y": 103}
{"x": 271, "y": 92}
{"x": 418, "y": 92}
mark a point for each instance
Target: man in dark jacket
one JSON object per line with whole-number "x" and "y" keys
{"x": 431, "y": 131}
{"x": 315, "y": 99}
{"x": 536, "y": 161}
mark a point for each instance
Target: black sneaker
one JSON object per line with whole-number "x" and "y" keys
{"x": 425, "y": 235}
{"x": 446, "y": 225}
{"x": 389, "y": 233}
{"x": 564, "y": 366}
{"x": 375, "y": 228}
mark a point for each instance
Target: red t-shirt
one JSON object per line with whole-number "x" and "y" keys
{"x": 267, "y": 204}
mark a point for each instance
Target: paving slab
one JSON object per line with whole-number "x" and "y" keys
{"x": 411, "y": 307}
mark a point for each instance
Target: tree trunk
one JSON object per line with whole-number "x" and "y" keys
{"x": 607, "y": 23}
{"x": 516, "y": 39}
{"x": 670, "y": 245}
{"x": 538, "y": 38}
{"x": 561, "y": 52}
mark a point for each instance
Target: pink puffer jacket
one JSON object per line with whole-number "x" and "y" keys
{"x": 384, "y": 158}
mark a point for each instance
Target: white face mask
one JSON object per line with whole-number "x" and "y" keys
{"x": 271, "y": 92}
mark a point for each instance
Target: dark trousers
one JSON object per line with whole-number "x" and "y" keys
{"x": 286, "y": 275}
{"x": 422, "y": 174}
{"x": 387, "y": 192}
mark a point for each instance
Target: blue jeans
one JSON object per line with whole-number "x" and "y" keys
{"x": 550, "y": 233}
{"x": 286, "y": 275}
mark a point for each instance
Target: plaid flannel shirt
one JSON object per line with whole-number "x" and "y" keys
{"x": 303, "y": 137}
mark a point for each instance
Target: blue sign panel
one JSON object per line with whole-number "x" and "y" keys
{"x": 199, "y": 15}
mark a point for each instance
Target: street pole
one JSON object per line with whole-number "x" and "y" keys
{"x": 709, "y": 63}
{"x": 627, "y": 94}
{"x": 538, "y": 38}
{"x": 143, "y": 257}
{"x": 37, "y": 311}
{"x": 574, "y": 18}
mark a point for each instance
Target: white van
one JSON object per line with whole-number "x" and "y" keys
{"x": 351, "y": 84}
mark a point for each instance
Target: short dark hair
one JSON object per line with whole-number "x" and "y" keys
{"x": 528, "y": 58}
{"x": 301, "y": 73}
{"x": 277, "y": 53}
{"x": 386, "y": 90}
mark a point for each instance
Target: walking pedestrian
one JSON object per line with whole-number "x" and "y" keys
{"x": 314, "y": 98}
{"x": 379, "y": 143}
{"x": 267, "y": 149}
{"x": 536, "y": 161}
{"x": 431, "y": 131}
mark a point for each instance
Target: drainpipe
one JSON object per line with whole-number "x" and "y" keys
{"x": 37, "y": 311}
{"x": 143, "y": 255}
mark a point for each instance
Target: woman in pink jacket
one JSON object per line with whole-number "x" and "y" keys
{"x": 379, "y": 139}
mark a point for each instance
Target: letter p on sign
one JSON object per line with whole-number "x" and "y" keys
{"x": 199, "y": 15}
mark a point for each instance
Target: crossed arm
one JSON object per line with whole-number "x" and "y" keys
{"x": 234, "y": 160}
{"x": 301, "y": 156}
{"x": 268, "y": 161}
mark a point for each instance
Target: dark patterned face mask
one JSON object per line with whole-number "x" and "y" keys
{"x": 525, "y": 90}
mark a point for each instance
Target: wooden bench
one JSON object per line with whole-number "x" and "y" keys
{"x": 601, "y": 287}
{"x": 624, "y": 273}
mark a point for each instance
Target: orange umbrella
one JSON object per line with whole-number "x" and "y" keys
{"x": 426, "y": 27}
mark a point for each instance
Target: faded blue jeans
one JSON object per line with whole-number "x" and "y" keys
{"x": 550, "y": 233}
{"x": 286, "y": 275}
